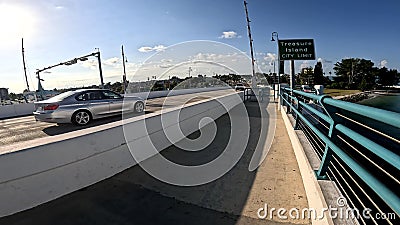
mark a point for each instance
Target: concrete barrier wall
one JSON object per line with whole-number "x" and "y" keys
{"x": 16, "y": 110}
{"x": 41, "y": 170}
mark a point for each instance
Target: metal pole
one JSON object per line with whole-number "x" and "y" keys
{"x": 273, "y": 83}
{"x": 123, "y": 65}
{"x": 100, "y": 70}
{"x": 23, "y": 61}
{"x": 40, "y": 87}
{"x": 279, "y": 59}
{"x": 292, "y": 75}
{"x": 253, "y": 80}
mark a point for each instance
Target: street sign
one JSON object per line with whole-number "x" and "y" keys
{"x": 296, "y": 49}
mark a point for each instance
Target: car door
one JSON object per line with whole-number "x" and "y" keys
{"x": 115, "y": 101}
{"x": 97, "y": 104}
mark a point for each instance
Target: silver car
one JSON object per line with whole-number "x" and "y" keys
{"x": 80, "y": 107}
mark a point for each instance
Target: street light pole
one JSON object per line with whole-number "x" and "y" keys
{"x": 123, "y": 65}
{"x": 253, "y": 77}
{"x": 275, "y": 34}
{"x": 100, "y": 70}
{"x": 74, "y": 61}
{"x": 23, "y": 62}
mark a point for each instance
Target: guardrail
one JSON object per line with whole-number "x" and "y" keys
{"x": 358, "y": 145}
{"x": 259, "y": 92}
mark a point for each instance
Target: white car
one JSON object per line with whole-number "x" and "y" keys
{"x": 239, "y": 87}
{"x": 80, "y": 107}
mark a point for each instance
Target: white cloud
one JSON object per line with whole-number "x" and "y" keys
{"x": 145, "y": 49}
{"x": 218, "y": 58}
{"x": 59, "y": 7}
{"x": 270, "y": 57}
{"x": 91, "y": 64}
{"x": 383, "y": 63}
{"x": 166, "y": 66}
{"x": 166, "y": 60}
{"x": 229, "y": 35}
{"x": 111, "y": 61}
{"x": 157, "y": 48}
{"x": 305, "y": 64}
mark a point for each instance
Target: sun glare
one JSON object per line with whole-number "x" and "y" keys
{"x": 15, "y": 22}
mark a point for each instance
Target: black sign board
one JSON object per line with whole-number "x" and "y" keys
{"x": 296, "y": 49}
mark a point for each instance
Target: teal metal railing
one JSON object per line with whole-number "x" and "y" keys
{"x": 357, "y": 135}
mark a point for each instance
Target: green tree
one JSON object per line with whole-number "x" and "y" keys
{"x": 363, "y": 85}
{"x": 319, "y": 74}
{"x": 387, "y": 77}
{"x": 354, "y": 71}
{"x": 13, "y": 96}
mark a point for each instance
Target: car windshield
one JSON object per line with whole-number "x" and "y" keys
{"x": 62, "y": 96}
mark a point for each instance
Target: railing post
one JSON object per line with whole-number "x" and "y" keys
{"x": 327, "y": 157}
{"x": 296, "y": 124}
{"x": 289, "y": 103}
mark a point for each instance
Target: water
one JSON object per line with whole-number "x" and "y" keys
{"x": 387, "y": 102}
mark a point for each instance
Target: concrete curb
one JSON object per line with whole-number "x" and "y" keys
{"x": 314, "y": 193}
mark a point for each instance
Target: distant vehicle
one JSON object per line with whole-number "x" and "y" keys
{"x": 239, "y": 87}
{"x": 306, "y": 88}
{"x": 80, "y": 107}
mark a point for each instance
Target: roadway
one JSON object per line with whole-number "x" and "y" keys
{"x": 26, "y": 128}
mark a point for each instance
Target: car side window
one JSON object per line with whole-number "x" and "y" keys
{"x": 94, "y": 95}
{"x": 111, "y": 95}
{"x": 83, "y": 97}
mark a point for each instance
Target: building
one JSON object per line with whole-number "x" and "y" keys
{"x": 4, "y": 94}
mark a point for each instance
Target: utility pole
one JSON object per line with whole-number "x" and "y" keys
{"x": 100, "y": 70}
{"x": 253, "y": 78}
{"x": 123, "y": 65}
{"x": 23, "y": 62}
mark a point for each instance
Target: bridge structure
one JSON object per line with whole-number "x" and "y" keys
{"x": 325, "y": 154}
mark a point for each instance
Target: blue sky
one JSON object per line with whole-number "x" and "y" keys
{"x": 56, "y": 31}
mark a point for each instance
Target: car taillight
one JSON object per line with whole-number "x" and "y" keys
{"x": 50, "y": 107}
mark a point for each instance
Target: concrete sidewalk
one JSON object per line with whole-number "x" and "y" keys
{"x": 134, "y": 197}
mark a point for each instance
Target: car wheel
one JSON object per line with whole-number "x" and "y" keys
{"x": 139, "y": 107}
{"x": 81, "y": 118}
